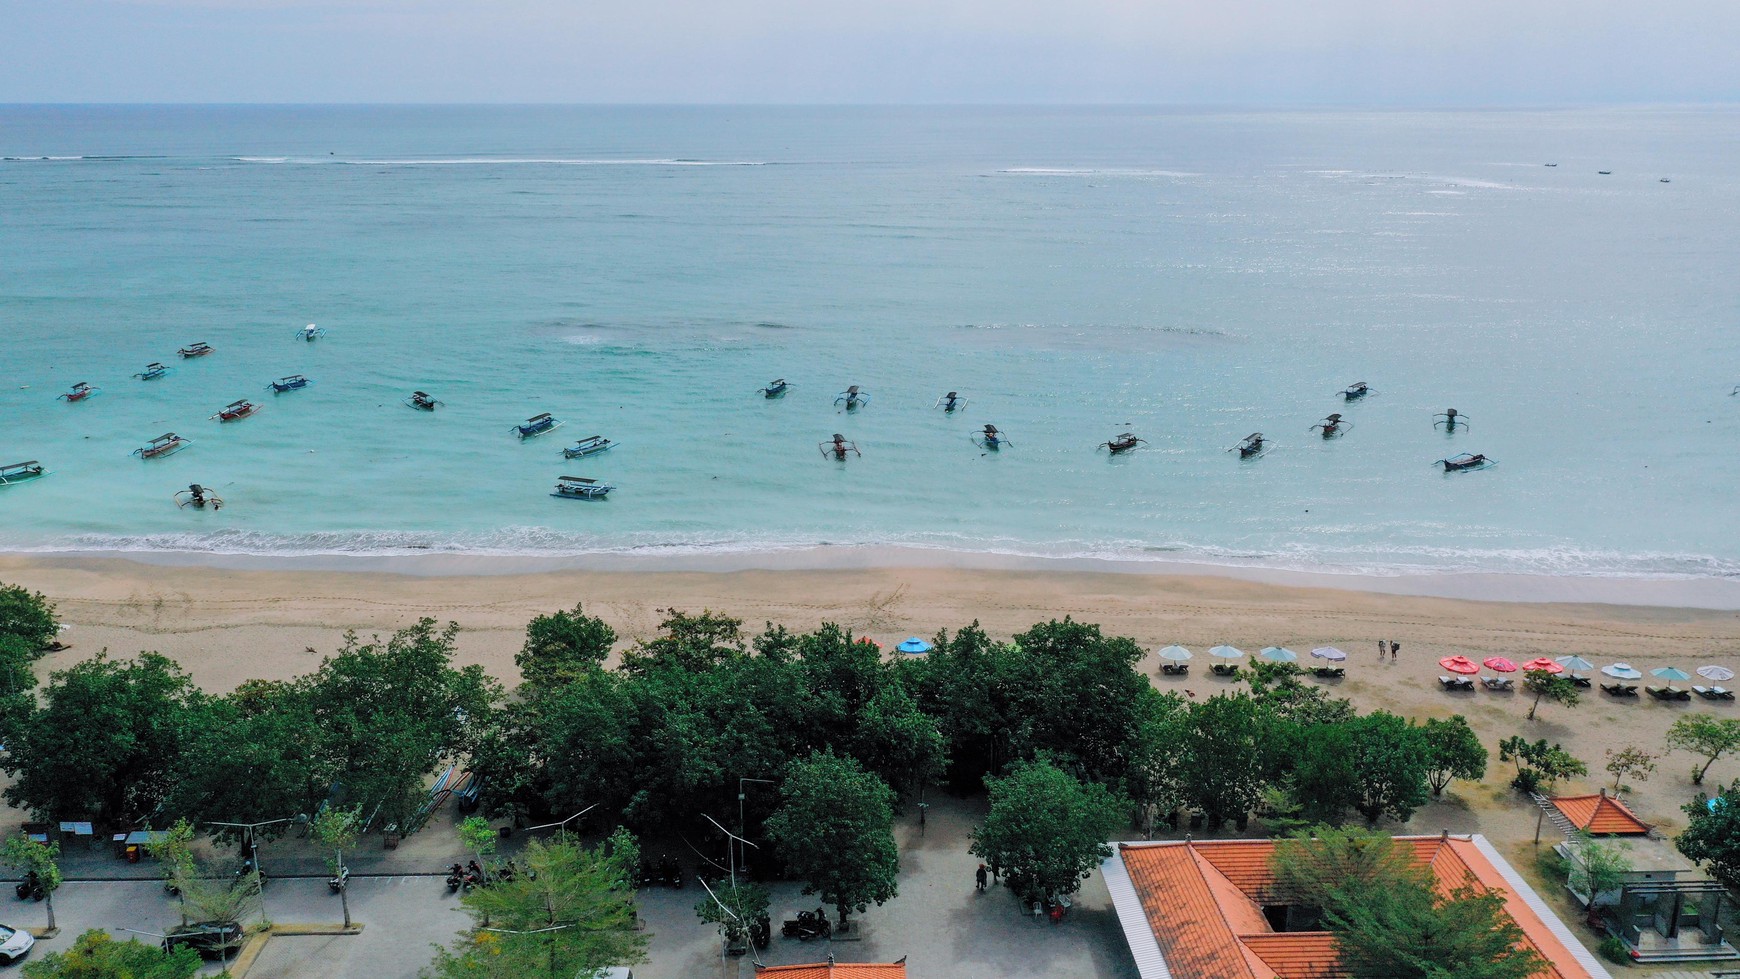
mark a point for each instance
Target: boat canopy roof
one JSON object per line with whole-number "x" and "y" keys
{"x": 19, "y": 465}
{"x": 292, "y": 377}
{"x": 166, "y": 437}
{"x": 577, "y": 479}
{"x": 196, "y": 346}
{"x": 237, "y": 404}
{"x": 538, "y": 418}
{"x": 592, "y": 438}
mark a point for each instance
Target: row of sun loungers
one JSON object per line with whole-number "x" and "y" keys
{"x": 1713, "y": 693}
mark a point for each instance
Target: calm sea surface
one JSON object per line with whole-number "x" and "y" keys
{"x": 640, "y": 272}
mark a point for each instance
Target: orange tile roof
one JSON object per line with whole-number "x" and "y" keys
{"x": 1203, "y": 903}
{"x": 1601, "y": 815}
{"x": 841, "y": 970}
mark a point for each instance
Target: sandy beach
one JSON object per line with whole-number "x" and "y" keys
{"x": 228, "y": 625}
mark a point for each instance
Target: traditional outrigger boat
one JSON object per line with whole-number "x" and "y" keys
{"x": 537, "y": 425}
{"x": 423, "y": 401}
{"x": 19, "y": 472}
{"x": 162, "y": 445}
{"x": 295, "y": 382}
{"x": 1332, "y": 426}
{"x": 580, "y": 488}
{"x": 1356, "y": 390}
{"x": 194, "y": 350}
{"x": 235, "y": 411}
{"x": 587, "y": 446}
{"x": 1122, "y": 443}
{"x": 152, "y": 372}
{"x": 310, "y": 333}
{"x": 79, "y": 392}
{"x": 1466, "y": 462}
{"x": 1449, "y": 420}
{"x": 991, "y": 439}
{"x": 838, "y": 447}
{"x": 951, "y": 401}
{"x": 198, "y": 497}
{"x": 775, "y": 388}
{"x": 1254, "y": 444}
{"x": 853, "y": 398}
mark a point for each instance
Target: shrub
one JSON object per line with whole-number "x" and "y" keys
{"x": 1614, "y": 950}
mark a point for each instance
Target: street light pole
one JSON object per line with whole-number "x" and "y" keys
{"x": 742, "y": 827}
{"x": 254, "y": 849}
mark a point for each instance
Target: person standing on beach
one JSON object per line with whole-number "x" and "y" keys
{"x": 1395, "y": 647}
{"x": 1381, "y": 645}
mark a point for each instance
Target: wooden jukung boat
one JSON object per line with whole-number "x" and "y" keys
{"x": 1356, "y": 391}
{"x": 838, "y": 447}
{"x": 198, "y": 497}
{"x": 775, "y": 388}
{"x": 580, "y": 488}
{"x": 587, "y": 446}
{"x": 1254, "y": 445}
{"x": 951, "y": 401}
{"x": 295, "y": 382}
{"x": 194, "y": 350}
{"x": 537, "y": 425}
{"x": 852, "y": 398}
{"x": 79, "y": 392}
{"x": 423, "y": 401}
{"x": 1122, "y": 443}
{"x": 152, "y": 372}
{"x": 1450, "y": 420}
{"x": 991, "y": 439}
{"x": 235, "y": 411}
{"x": 1466, "y": 462}
{"x": 161, "y": 446}
{"x": 1332, "y": 426}
{"x": 19, "y": 472}
{"x": 310, "y": 333}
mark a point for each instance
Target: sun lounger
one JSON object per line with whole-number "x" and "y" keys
{"x": 1579, "y": 679}
{"x": 1497, "y": 683}
{"x": 1456, "y": 683}
{"x": 1329, "y": 672}
{"x": 1714, "y": 693}
{"x": 1175, "y": 669}
{"x": 1224, "y": 669}
{"x": 1620, "y": 689}
{"x": 1669, "y": 693}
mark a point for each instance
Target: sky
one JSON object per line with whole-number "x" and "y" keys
{"x": 1270, "y": 52}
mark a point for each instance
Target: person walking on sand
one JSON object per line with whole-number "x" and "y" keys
{"x": 1395, "y": 647}
{"x": 1381, "y": 645}
{"x": 979, "y": 878}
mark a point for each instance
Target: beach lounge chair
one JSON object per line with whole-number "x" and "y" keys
{"x": 1329, "y": 672}
{"x": 1224, "y": 669}
{"x": 1578, "y": 679}
{"x": 1499, "y": 683}
{"x": 1669, "y": 693}
{"x": 1620, "y": 689}
{"x": 1456, "y": 683}
{"x": 1175, "y": 669}
{"x": 1714, "y": 693}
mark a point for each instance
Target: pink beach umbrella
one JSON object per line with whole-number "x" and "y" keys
{"x": 1459, "y": 664}
{"x": 1498, "y": 664}
{"x": 1543, "y": 663}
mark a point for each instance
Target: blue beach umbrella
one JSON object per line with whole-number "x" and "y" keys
{"x": 1670, "y": 674}
{"x": 1279, "y": 654}
{"x": 915, "y": 645}
{"x": 1623, "y": 671}
{"x": 1574, "y": 663}
{"x": 1227, "y": 652}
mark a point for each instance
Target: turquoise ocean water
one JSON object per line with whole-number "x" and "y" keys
{"x": 640, "y": 272}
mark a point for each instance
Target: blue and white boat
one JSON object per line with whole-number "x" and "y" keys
{"x": 19, "y": 472}
{"x": 295, "y": 382}
{"x": 587, "y": 446}
{"x": 537, "y": 425}
{"x": 79, "y": 392}
{"x": 311, "y": 333}
{"x": 951, "y": 401}
{"x": 153, "y": 371}
{"x": 852, "y": 398}
{"x": 581, "y": 488}
{"x": 422, "y": 401}
{"x": 1466, "y": 462}
{"x": 775, "y": 388}
{"x": 162, "y": 445}
{"x": 991, "y": 439}
{"x": 1356, "y": 391}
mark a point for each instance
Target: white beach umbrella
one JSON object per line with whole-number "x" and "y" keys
{"x": 1717, "y": 673}
{"x": 1226, "y": 652}
{"x": 1176, "y": 654}
{"x": 1623, "y": 671}
{"x": 1574, "y": 663}
{"x": 1329, "y": 653}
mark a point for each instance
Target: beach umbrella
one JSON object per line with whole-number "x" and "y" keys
{"x": 1176, "y": 654}
{"x": 1459, "y": 664}
{"x": 1542, "y": 663}
{"x": 1226, "y": 652}
{"x": 1717, "y": 673}
{"x": 1329, "y": 653}
{"x": 1670, "y": 674}
{"x": 915, "y": 645}
{"x": 1623, "y": 671}
{"x": 1498, "y": 664}
{"x": 1575, "y": 663}
{"x": 1279, "y": 654}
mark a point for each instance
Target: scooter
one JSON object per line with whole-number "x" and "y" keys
{"x": 338, "y": 883}
{"x": 807, "y": 925}
{"x": 455, "y": 877}
{"x": 31, "y": 887}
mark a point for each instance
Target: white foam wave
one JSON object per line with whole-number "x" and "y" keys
{"x": 37, "y": 159}
{"x": 494, "y": 161}
{"x": 1102, "y": 172}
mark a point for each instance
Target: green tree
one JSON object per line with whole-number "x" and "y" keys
{"x": 1706, "y": 736}
{"x": 562, "y": 646}
{"x": 336, "y": 830}
{"x": 1280, "y": 689}
{"x": 28, "y": 616}
{"x": 1411, "y": 932}
{"x": 25, "y": 855}
{"x": 1538, "y": 762}
{"x": 17, "y": 685}
{"x": 1154, "y": 779}
{"x": 249, "y": 757}
{"x": 1630, "y": 762}
{"x": 689, "y": 642}
{"x": 835, "y": 831}
{"x": 734, "y": 908}
{"x": 1046, "y": 831}
{"x": 1325, "y": 870}
{"x": 1389, "y": 767}
{"x": 480, "y": 838}
{"x": 572, "y": 914}
{"x": 173, "y": 851}
{"x": 1599, "y": 866}
{"x": 96, "y": 955}
{"x": 1453, "y": 750}
{"x": 106, "y": 743}
{"x": 1712, "y": 835}
{"x": 1223, "y": 754}
{"x": 1546, "y": 685}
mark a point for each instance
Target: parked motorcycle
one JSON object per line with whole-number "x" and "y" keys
{"x": 338, "y": 882}
{"x": 761, "y": 931}
{"x": 455, "y": 877}
{"x": 31, "y": 887}
{"x": 807, "y": 925}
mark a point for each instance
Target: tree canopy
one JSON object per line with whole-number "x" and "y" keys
{"x": 1706, "y": 736}
{"x": 1046, "y": 830}
{"x": 96, "y": 955}
{"x": 26, "y": 616}
{"x": 835, "y": 831}
{"x": 1453, "y": 750}
{"x": 1712, "y": 835}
